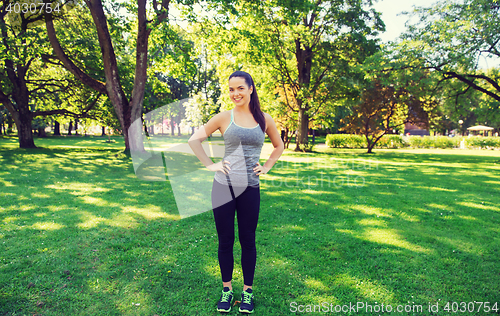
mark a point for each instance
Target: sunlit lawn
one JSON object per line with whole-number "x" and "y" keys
{"x": 81, "y": 235}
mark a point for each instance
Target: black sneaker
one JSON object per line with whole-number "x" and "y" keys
{"x": 246, "y": 305}
{"x": 224, "y": 304}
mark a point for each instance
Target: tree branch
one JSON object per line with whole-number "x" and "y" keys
{"x": 452, "y": 74}
{"x": 491, "y": 81}
{"x": 55, "y": 112}
{"x": 164, "y": 7}
{"x": 68, "y": 64}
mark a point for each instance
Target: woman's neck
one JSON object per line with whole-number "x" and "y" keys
{"x": 243, "y": 109}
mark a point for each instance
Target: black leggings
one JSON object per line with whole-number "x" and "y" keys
{"x": 246, "y": 204}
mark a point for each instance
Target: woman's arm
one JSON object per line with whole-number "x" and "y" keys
{"x": 202, "y": 134}
{"x": 279, "y": 147}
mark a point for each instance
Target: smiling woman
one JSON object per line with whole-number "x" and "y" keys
{"x": 236, "y": 181}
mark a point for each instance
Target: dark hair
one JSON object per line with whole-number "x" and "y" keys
{"x": 254, "y": 105}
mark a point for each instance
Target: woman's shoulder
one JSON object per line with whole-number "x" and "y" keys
{"x": 269, "y": 120}
{"x": 222, "y": 115}
{"x": 268, "y": 117}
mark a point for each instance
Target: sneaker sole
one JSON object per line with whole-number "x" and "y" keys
{"x": 224, "y": 310}
{"x": 246, "y": 311}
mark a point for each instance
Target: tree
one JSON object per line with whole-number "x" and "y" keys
{"x": 453, "y": 38}
{"x": 4, "y": 114}
{"x": 387, "y": 104}
{"x": 129, "y": 106}
{"x": 127, "y": 109}
{"x": 17, "y": 55}
{"x": 307, "y": 46}
{"x": 28, "y": 77}
{"x": 465, "y": 104}
{"x": 199, "y": 110}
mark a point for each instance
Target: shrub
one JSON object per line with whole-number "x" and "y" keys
{"x": 444, "y": 142}
{"x": 415, "y": 141}
{"x": 345, "y": 141}
{"x": 433, "y": 142}
{"x": 391, "y": 141}
{"x": 482, "y": 142}
{"x": 309, "y": 147}
{"x": 396, "y": 141}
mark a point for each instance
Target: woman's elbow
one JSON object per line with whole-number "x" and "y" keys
{"x": 280, "y": 146}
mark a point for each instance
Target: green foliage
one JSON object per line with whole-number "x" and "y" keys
{"x": 199, "y": 111}
{"x": 391, "y": 141}
{"x": 38, "y": 123}
{"x": 444, "y": 142}
{"x": 452, "y": 37}
{"x": 81, "y": 235}
{"x": 397, "y": 141}
{"x": 309, "y": 147}
{"x": 345, "y": 141}
{"x": 482, "y": 142}
{"x": 303, "y": 50}
{"x": 386, "y": 107}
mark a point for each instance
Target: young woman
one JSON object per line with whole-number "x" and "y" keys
{"x": 236, "y": 182}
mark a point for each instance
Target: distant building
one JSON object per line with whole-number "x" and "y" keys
{"x": 413, "y": 129}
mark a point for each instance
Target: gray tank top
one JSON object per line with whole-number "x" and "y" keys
{"x": 242, "y": 148}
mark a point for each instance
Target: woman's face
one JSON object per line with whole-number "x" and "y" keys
{"x": 239, "y": 91}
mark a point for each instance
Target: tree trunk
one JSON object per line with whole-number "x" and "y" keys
{"x": 57, "y": 128}
{"x": 41, "y": 133}
{"x": 103, "y": 130}
{"x": 179, "y": 130}
{"x": 70, "y": 127}
{"x": 10, "y": 124}
{"x": 303, "y": 57}
{"x": 21, "y": 114}
{"x": 288, "y": 137}
{"x": 303, "y": 128}
{"x": 172, "y": 127}
{"x": 25, "y": 131}
{"x": 76, "y": 127}
{"x": 369, "y": 144}
{"x": 22, "y": 118}
{"x": 127, "y": 111}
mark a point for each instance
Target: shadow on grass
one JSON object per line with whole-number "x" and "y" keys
{"x": 81, "y": 235}
{"x": 412, "y": 232}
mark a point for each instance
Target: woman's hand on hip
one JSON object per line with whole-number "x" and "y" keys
{"x": 260, "y": 170}
{"x": 222, "y": 166}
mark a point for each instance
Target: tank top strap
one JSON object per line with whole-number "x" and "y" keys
{"x": 232, "y": 120}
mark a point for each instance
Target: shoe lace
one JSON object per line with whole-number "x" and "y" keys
{"x": 247, "y": 298}
{"x": 226, "y": 296}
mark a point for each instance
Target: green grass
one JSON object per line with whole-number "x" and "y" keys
{"x": 81, "y": 235}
